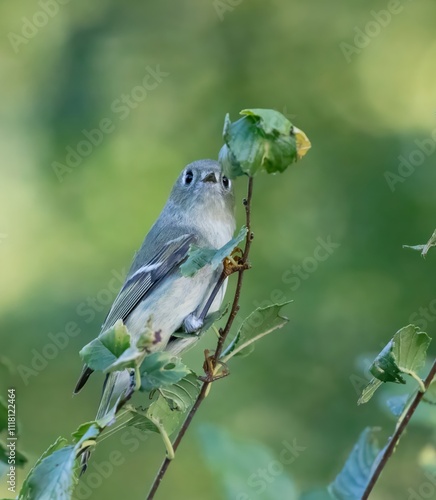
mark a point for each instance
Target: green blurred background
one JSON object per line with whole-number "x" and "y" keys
{"x": 61, "y": 242}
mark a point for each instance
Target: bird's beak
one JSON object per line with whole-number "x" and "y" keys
{"x": 210, "y": 177}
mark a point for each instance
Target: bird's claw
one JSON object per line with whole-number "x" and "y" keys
{"x": 193, "y": 324}
{"x": 235, "y": 262}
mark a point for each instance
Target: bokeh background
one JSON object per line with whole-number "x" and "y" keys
{"x": 64, "y": 239}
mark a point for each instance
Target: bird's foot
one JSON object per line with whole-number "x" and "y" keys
{"x": 235, "y": 262}
{"x": 193, "y": 324}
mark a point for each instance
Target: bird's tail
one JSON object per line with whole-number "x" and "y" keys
{"x": 116, "y": 385}
{"x": 84, "y": 376}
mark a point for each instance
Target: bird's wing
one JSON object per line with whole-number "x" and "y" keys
{"x": 140, "y": 283}
{"x": 145, "y": 279}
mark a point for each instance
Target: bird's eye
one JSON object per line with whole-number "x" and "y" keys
{"x": 188, "y": 177}
{"x": 226, "y": 182}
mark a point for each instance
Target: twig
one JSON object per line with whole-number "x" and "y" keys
{"x": 243, "y": 266}
{"x": 389, "y": 449}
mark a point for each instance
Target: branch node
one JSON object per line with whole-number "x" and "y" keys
{"x": 212, "y": 368}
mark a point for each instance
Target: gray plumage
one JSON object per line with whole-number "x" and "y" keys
{"x": 199, "y": 211}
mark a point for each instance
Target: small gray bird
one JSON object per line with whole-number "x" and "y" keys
{"x": 200, "y": 212}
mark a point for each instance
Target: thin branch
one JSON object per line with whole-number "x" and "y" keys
{"x": 389, "y": 449}
{"x": 214, "y": 360}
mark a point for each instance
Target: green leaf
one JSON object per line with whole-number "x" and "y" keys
{"x": 132, "y": 357}
{"x": 162, "y": 414}
{"x": 351, "y": 482}
{"x": 261, "y": 322}
{"x": 404, "y": 354}
{"x": 161, "y": 369}
{"x": 200, "y": 257}
{"x": 166, "y": 413}
{"x": 26, "y": 493}
{"x": 180, "y": 396}
{"x": 78, "y": 434}
{"x": 163, "y": 417}
{"x": 139, "y": 420}
{"x": 263, "y": 139}
{"x": 385, "y": 368}
{"x": 424, "y": 248}
{"x": 238, "y": 465}
{"x": 107, "y": 347}
{"x": 158, "y": 417}
{"x": 86, "y": 436}
{"x": 369, "y": 390}
{"x": 410, "y": 349}
{"x": 269, "y": 120}
{"x": 54, "y": 475}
